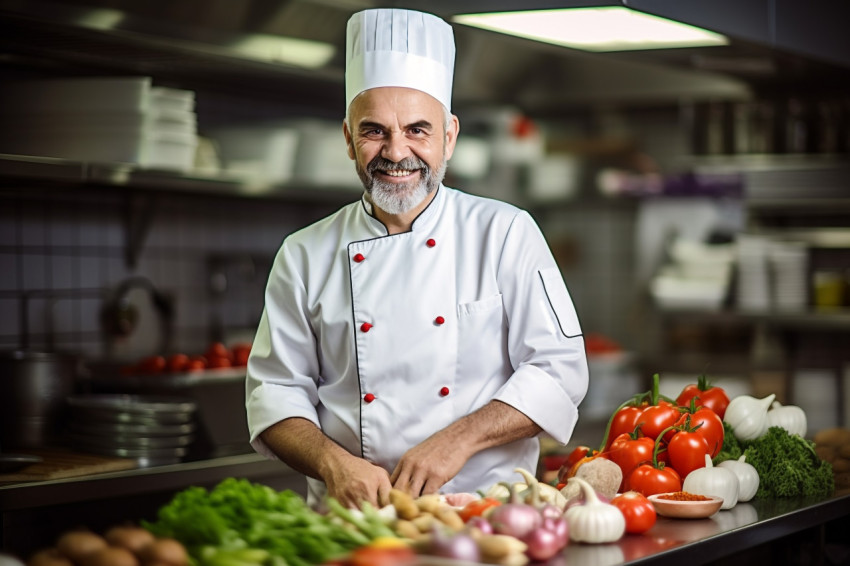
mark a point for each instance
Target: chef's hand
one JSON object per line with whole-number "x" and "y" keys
{"x": 427, "y": 466}
{"x": 355, "y": 480}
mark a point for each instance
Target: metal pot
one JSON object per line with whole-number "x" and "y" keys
{"x": 34, "y": 387}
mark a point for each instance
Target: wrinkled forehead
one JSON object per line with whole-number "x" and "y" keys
{"x": 395, "y": 105}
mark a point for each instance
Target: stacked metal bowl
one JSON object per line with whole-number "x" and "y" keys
{"x": 150, "y": 429}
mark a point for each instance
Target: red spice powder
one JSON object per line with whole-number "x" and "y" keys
{"x": 683, "y": 496}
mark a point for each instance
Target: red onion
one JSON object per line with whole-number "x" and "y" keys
{"x": 559, "y": 526}
{"x": 514, "y": 518}
{"x": 481, "y": 524}
{"x": 542, "y": 544}
{"x": 458, "y": 546}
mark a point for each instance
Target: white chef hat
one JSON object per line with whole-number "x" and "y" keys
{"x": 403, "y": 48}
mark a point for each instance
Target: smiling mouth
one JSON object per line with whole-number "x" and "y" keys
{"x": 399, "y": 172}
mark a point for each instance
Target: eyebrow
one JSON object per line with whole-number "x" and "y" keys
{"x": 423, "y": 124}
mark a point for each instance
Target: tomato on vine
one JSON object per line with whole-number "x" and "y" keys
{"x": 629, "y": 414}
{"x": 629, "y": 451}
{"x": 714, "y": 398}
{"x": 686, "y": 451}
{"x": 705, "y": 423}
{"x": 656, "y": 418}
{"x": 655, "y": 477}
{"x": 650, "y": 479}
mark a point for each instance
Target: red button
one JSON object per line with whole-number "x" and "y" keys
{"x": 365, "y": 327}
{"x": 431, "y": 242}
{"x": 368, "y": 397}
{"x": 439, "y": 320}
{"x": 359, "y": 257}
{"x": 444, "y": 391}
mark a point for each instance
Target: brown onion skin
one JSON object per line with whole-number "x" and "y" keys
{"x": 76, "y": 545}
{"x": 110, "y": 556}
{"x": 167, "y": 551}
{"x": 49, "y": 557}
{"x": 134, "y": 539}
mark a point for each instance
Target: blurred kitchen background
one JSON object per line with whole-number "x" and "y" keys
{"x": 153, "y": 156}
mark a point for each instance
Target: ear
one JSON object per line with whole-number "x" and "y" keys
{"x": 349, "y": 142}
{"x": 451, "y": 136}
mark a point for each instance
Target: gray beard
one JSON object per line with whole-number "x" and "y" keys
{"x": 398, "y": 198}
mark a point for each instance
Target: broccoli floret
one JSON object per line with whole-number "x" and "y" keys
{"x": 788, "y": 465}
{"x": 731, "y": 449}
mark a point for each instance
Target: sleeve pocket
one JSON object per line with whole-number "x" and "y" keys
{"x": 560, "y": 301}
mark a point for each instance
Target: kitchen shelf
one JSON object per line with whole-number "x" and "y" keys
{"x": 52, "y": 171}
{"x": 822, "y": 320}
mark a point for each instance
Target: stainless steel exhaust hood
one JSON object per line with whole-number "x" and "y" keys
{"x": 776, "y": 47}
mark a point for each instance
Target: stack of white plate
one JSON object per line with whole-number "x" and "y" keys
{"x": 150, "y": 429}
{"x": 789, "y": 261}
{"x": 101, "y": 120}
{"x": 753, "y": 290}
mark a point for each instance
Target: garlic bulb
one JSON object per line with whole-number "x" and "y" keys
{"x": 748, "y": 416}
{"x": 748, "y": 477}
{"x": 594, "y": 521}
{"x": 719, "y": 482}
{"x": 789, "y": 417}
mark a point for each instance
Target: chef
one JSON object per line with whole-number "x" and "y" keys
{"x": 421, "y": 338}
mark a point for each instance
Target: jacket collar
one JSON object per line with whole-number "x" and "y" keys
{"x": 425, "y": 221}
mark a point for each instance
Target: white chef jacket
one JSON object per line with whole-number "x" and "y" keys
{"x": 382, "y": 340}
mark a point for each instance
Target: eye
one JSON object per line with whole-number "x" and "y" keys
{"x": 372, "y": 133}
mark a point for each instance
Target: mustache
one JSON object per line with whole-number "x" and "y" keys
{"x": 408, "y": 163}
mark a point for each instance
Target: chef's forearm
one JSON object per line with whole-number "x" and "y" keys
{"x": 302, "y": 446}
{"x": 494, "y": 424}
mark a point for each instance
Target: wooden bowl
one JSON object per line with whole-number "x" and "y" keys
{"x": 685, "y": 509}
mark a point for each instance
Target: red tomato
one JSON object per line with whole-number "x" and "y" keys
{"x": 637, "y": 509}
{"x": 177, "y": 363}
{"x": 649, "y": 480}
{"x": 706, "y": 395}
{"x": 629, "y": 453}
{"x": 686, "y": 452}
{"x": 152, "y": 364}
{"x": 218, "y": 350}
{"x": 218, "y": 362}
{"x": 240, "y": 354}
{"x": 655, "y": 419}
{"x": 196, "y": 363}
{"x": 577, "y": 454}
{"x": 371, "y": 556}
{"x": 708, "y": 425}
{"x": 476, "y": 508}
{"x": 624, "y": 421}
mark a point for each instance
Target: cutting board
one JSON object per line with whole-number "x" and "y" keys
{"x": 60, "y": 464}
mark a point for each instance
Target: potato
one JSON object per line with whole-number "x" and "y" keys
{"x": 406, "y": 529}
{"x": 404, "y": 504}
{"x": 166, "y": 551}
{"x": 49, "y": 557}
{"x": 133, "y": 538}
{"x": 842, "y": 479}
{"x": 449, "y": 517}
{"x": 832, "y": 437}
{"x": 840, "y": 465}
{"x": 110, "y": 556}
{"x": 826, "y": 452}
{"x": 424, "y": 522}
{"x": 78, "y": 544}
{"x": 428, "y": 503}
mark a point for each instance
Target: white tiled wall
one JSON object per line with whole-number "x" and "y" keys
{"x": 76, "y": 246}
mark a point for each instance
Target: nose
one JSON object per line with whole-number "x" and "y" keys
{"x": 395, "y": 148}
